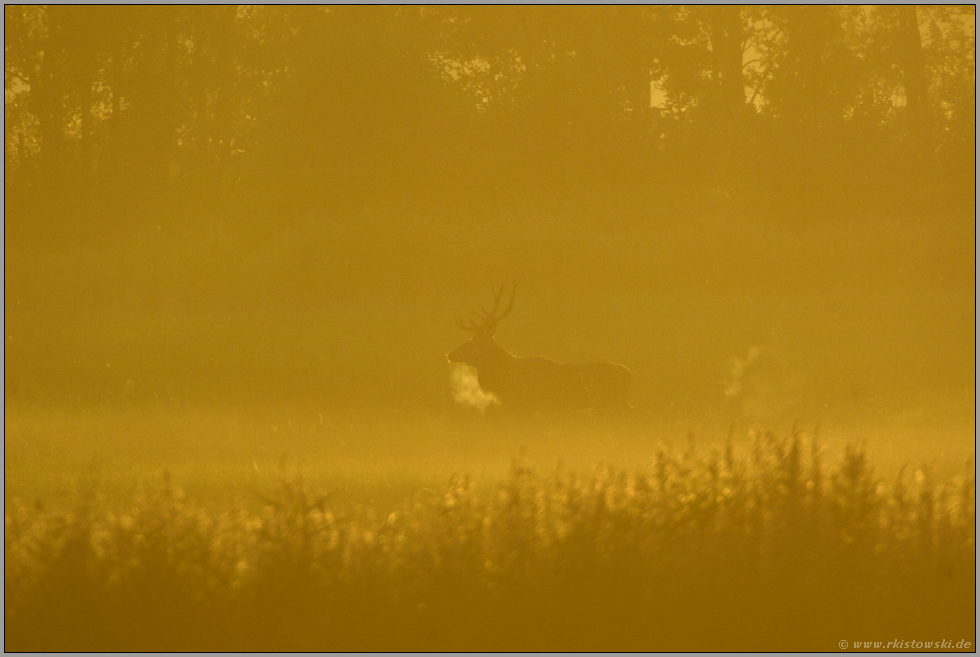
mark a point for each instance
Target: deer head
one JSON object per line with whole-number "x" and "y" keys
{"x": 482, "y": 346}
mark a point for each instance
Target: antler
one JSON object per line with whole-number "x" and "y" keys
{"x": 488, "y": 319}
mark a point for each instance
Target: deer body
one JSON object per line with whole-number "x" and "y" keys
{"x": 535, "y": 383}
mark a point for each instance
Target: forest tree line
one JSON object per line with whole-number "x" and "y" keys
{"x": 790, "y": 112}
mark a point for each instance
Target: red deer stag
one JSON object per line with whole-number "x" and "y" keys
{"x": 535, "y": 383}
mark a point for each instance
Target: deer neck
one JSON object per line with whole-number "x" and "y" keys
{"x": 496, "y": 367}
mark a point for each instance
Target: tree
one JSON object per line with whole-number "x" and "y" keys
{"x": 913, "y": 65}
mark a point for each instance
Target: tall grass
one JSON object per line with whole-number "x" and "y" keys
{"x": 756, "y": 546}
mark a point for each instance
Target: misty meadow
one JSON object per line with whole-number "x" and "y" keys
{"x": 488, "y": 328}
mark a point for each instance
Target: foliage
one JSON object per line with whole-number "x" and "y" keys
{"x": 755, "y": 547}
{"x": 298, "y": 108}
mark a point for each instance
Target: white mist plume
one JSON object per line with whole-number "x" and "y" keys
{"x": 764, "y": 384}
{"x": 739, "y": 365}
{"x": 467, "y": 390}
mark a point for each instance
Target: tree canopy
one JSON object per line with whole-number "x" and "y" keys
{"x": 798, "y": 112}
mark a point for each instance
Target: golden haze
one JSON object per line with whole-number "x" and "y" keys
{"x": 235, "y": 242}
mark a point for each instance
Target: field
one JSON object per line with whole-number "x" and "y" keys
{"x": 252, "y": 355}
{"x": 209, "y": 447}
{"x": 188, "y": 529}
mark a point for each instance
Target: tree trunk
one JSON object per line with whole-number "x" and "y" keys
{"x": 913, "y": 68}
{"x": 224, "y": 42}
{"x": 726, "y": 45}
{"x": 47, "y": 91}
{"x": 725, "y": 31}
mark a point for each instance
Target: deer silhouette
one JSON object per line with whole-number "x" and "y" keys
{"x": 536, "y": 383}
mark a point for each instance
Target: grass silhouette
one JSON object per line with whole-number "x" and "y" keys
{"x": 763, "y": 547}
